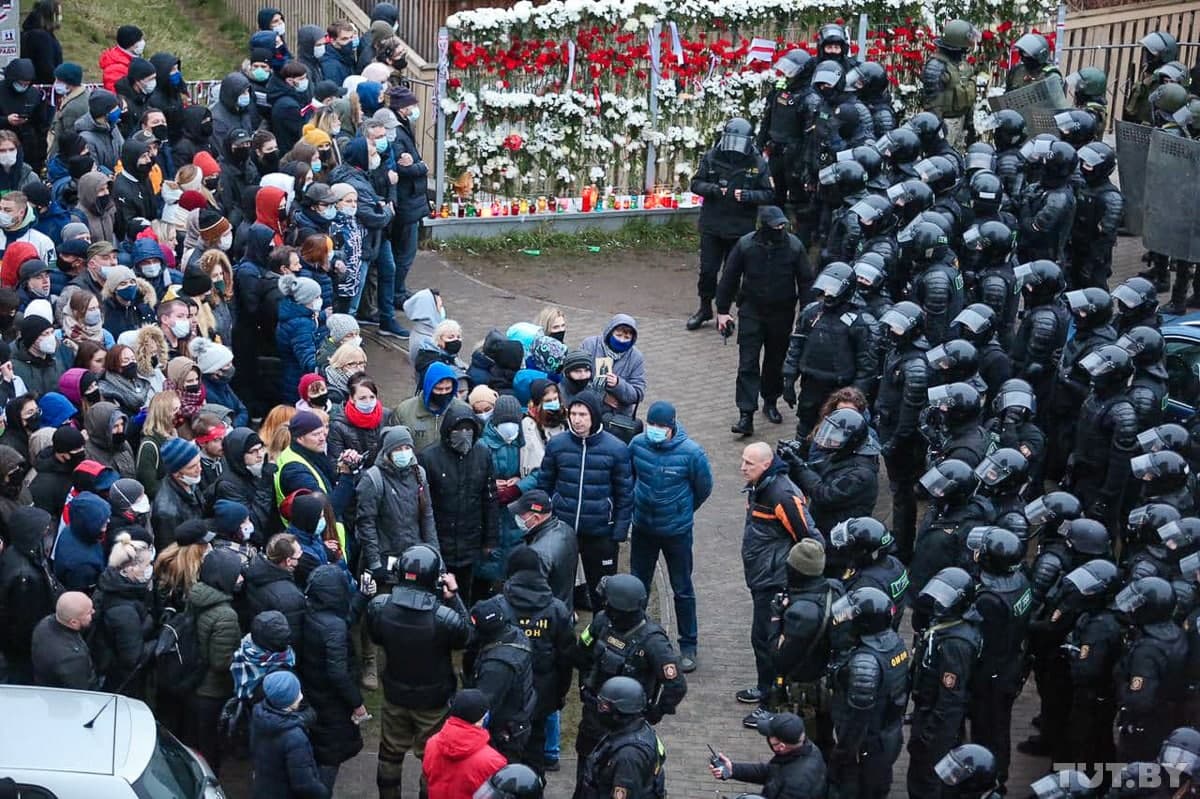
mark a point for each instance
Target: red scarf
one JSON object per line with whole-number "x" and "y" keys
{"x": 364, "y": 421}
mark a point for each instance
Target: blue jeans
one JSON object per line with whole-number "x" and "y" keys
{"x": 553, "y": 746}
{"x": 386, "y": 276}
{"x": 677, "y": 550}
{"x": 404, "y": 250}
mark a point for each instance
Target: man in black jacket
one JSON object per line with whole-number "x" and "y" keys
{"x": 551, "y": 539}
{"x": 462, "y": 488}
{"x": 131, "y": 190}
{"x": 270, "y": 585}
{"x": 61, "y": 658}
{"x": 500, "y": 664}
{"x": 419, "y": 624}
{"x": 55, "y": 466}
{"x": 238, "y": 175}
{"x": 796, "y": 769}
{"x": 26, "y": 588}
{"x": 248, "y": 479}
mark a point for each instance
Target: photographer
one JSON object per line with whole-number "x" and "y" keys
{"x": 796, "y": 769}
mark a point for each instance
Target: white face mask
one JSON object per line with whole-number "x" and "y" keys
{"x": 147, "y": 573}
{"x": 8, "y": 158}
{"x": 255, "y": 469}
{"x": 188, "y": 480}
{"x": 181, "y": 327}
{"x": 247, "y": 530}
{"x": 335, "y": 129}
{"x": 280, "y": 28}
{"x": 149, "y": 87}
{"x": 48, "y": 345}
{"x": 60, "y": 87}
{"x": 226, "y": 241}
{"x": 315, "y": 305}
{"x": 151, "y": 270}
{"x": 138, "y": 48}
{"x": 508, "y": 430}
{"x": 6, "y": 219}
{"x": 318, "y": 51}
{"x": 365, "y": 406}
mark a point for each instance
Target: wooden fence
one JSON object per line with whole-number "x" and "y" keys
{"x": 1098, "y": 32}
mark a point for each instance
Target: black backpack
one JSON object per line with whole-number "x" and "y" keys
{"x": 178, "y": 663}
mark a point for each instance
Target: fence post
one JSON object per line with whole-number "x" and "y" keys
{"x": 1060, "y": 32}
{"x": 438, "y": 93}
{"x": 651, "y": 150}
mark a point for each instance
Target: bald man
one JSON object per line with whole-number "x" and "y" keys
{"x": 60, "y": 655}
{"x": 777, "y": 517}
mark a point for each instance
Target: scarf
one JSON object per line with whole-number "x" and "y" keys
{"x": 87, "y": 332}
{"x": 190, "y": 402}
{"x": 251, "y": 664}
{"x": 364, "y": 421}
{"x": 337, "y": 380}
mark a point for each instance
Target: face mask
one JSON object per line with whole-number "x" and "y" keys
{"x": 561, "y": 335}
{"x": 354, "y": 341}
{"x": 247, "y": 529}
{"x": 656, "y": 434}
{"x": 381, "y": 145}
{"x": 39, "y": 292}
{"x": 8, "y": 158}
{"x": 259, "y": 75}
{"x": 102, "y": 203}
{"x": 439, "y": 402}
{"x": 461, "y": 441}
{"x": 354, "y": 43}
{"x": 139, "y": 48}
{"x": 60, "y": 87}
{"x": 484, "y": 416}
{"x": 114, "y": 116}
{"x": 176, "y": 79}
{"x": 414, "y": 114}
{"x": 335, "y": 129}
{"x": 212, "y": 182}
{"x": 47, "y": 345}
{"x": 320, "y": 526}
{"x": 6, "y": 219}
{"x": 280, "y": 29}
{"x": 255, "y": 469}
{"x": 160, "y": 132}
{"x": 316, "y": 167}
{"x": 315, "y": 305}
{"x": 104, "y": 272}
{"x": 318, "y": 400}
{"x": 302, "y": 86}
{"x": 329, "y": 213}
{"x": 616, "y": 345}
{"x": 148, "y": 88}
{"x": 453, "y": 347}
{"x": 508, "y": 431}
{"x": 366, "y": 406}
{"x": 151, "y": 270}
{"x": 35, "y": 421}
{"x": 522, "y": 525}
{"x": 219, "y": 285}
{"x": 129, "y": 371}
{"x": 180, "y": 328}
{"x": 319, "y": 51}
{"x": 243, "y": 100}
{"x": 188, "y": 480}
{"x": 147, "y": 573}
{"x": 225, "y": 375}
{"x": 93, "y": 317}
{"x": 117, "y": 438}
{"x": 128, "y": 293}
{"x": 390, "y": 135}
{"x": 402, "y": 458}
{"x": 20, "y": 88}
{"x": 271, "y": 161}
{"x": 551, "y": 406}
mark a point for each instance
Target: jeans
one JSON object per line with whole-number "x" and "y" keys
{"x": 677, "y": 551}
{"x": 553, "y": 748}
{"x": 760, "y": 637}
{"x": 385, "y": 262}
{"x": 599, "y": 556}
{"x": 404, "y": 252}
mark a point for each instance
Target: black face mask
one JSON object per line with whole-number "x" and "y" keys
{"x": 439, "y": 402}
{"x": 624, "y": 619}
{"x": 269, "y": 161}
{"x": 160, "y": 132}
{"x": 453, "y": 347}
{"x": 238, "y": 155}
{"x": 212, "y": 182}
{"x": 6, "y": 320}
{"x": 75, "y": 459}
{"x": 319, "y": 400}
{"x": 206, "y": 128}
{"x": 103, "y": 202}
{"x": 117, "y": 440}
{"x": 11, "y": 487}
{"x": 35, "y": 421}
{"x": 129, "y": 371}
{"x": 92, "y": 397}
{"x": 561, "y": 335}
{"x": 80, "y": 165}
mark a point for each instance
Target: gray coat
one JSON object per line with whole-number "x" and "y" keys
{"x": 558, "y": 548}
{"x": 628, "y": 366}
{"x": 104, "y": 144}
{"x": 394, "y": 511}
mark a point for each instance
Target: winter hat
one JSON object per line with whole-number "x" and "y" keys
{"x": 318, "y": 193}
{"x": 302, "y": 290}
{"x": 207, "y": 164}
{"x": 73, "y": 230}
{"x": 70, "y": 74}
{"x": 481, "y": 393}
{"x": 341, "y": 325}
{"x": 212, "y": 226}
{"x": 39, "y": 308}
{"x": 377, "y": 71}
{"x": 195, "y": 282}
{"x": 401, "y": 97}
{"x": 66, "y": 439}
{"x": 787, "y": 727}
{"x": 210, "y": 356}
{"x": 261, "y": 55}
{"x": 807, "y": 557}
{"x": 537, "y": 389}
{"x": 340, "y": 190}
{"x": 306, "y": 382}
{"x": 385, "y": 117}
{"x": 281, "y": 689}
{"x": 116, "y": 276}
{"x": 31, "y": 328}
{"x": 469, "y": 704}
{"x": 228, "y": 517}
{"x": 369, "y": 94}
{"x": 193, "y": 531}
{"x": 662, "y": 414}
{"x": 220, "y": 569}
{"x": 489, "y": 617}
{"x": 21, "y": 69}
{"x": 32, "y": 268}
{"x": 522, "y": 559}
{"x": 771, "y": 216}
{"x": 139, "y": 69}
{"x": 394, "y": 437}
{"x": 128, "y": 36}
{"x": 89, "y": 514}
{"x": 56, "y": 409}
{"x": 326, "y": 89}
{"x": 176, "y": 453}
{"x": 192, "y": 200}
{"x": 317, "y": 138}
{"x": 101, "y": 102}
{"x": 37, "y": 193}
{"x": 507, "y": 410}
{"x": 127, "y": 494}
{"x": 270, "y": 631}
{"x": 69, "y": 384}
{"x": 303, "y": 423}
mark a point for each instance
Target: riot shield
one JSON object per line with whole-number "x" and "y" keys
{"x": 1170, "y": 225}
{"x": 1133, "y": 143}
{"x": 1044, "y": 95}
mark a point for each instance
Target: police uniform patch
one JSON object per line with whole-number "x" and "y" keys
{"x": 670, "y": 671}
{"x": 1137, "y": 683}
{"x": 619, "y": 792}
{"x": 950, "y": 680}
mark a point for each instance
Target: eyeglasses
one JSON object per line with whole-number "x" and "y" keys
{"x": 357, "y": 365}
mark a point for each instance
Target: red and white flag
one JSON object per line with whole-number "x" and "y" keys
{"x": 761, "y": 50}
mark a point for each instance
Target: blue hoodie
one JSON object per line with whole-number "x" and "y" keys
{"x": 78, "y": 552}
{"x": 266, "y": 40}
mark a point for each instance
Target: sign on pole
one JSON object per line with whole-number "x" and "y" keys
{"x": 10, "y": 30}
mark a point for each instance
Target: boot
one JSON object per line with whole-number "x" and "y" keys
{"x": 1183, "y": 278}
{"x": 771, "y": 412}
{"x": 744, "y": 425}
{"x": 702, "y": 315}
{"x": 1159, "y": 272}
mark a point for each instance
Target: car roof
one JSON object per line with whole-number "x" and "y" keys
{"x": 44, "y": 731}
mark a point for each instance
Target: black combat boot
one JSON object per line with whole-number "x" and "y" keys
{"x": 1183, "y": 279}
{"x": 771, "y": 412}
{"x": 744, "y": 425}
{"x": 702, "y": 315}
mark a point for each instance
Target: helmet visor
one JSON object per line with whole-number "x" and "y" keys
{"x": 1064, "y": 121}
{"x": 1016, "y": 398}
{"x": 1096, "y": 364}
{"x": 735, "y": 143}
{"x": 1036, "y": 149}
{"x": 787, "y": 67}
{"x": 897, "y": 194}
{"x": 1129, "y": 599}
{"x": 979, "y": 161}
{"x": 975, "y": 537}
{"x": 1144, "y": 467}
{"x": 1190, "y": 565}
{"x": 1151, "y": 441}
{"x": 867, "y": 275}
{"x": 855, "y": 79}
{"x": 973, "y": 321}
{"x": 831, "y": 435}
{"x": 829, "y": 285}
{"x": 972, "y": 239}
{"x": 927, "y": 170}
{"x": 940, "y": 397}
{"x": 844, "y": 155}
{"x": 827, "y": 73}
{"x": 489, "y": 791}
{"x": 1127, "y": 297}
{"x": 935, "y": 483}
{"x": 843, "y": 610}
{"x": 839, "y": 536}
{"x": 1024, "y": 275}
{"x": 991, "y": 473}
{"x": 828, "y": 175}
{"x": 1179, "y": 759}
{"x": 1130, "y": 344}
{"x": 939, "y": 358}
{"x": 1078, "y": 301}
{"x": 950, "y": 770}
{"x": 1172, "y": 536}
{"x": 1084, "y": 581}
{"x": 867, "y": 212}
{"x": 1090, "y": 157}
{"x": 1038, "y": 512}
{"x": 1048, "y": 787}
{"x": 1138, "y": 517}
{"x": 896, "y": 322}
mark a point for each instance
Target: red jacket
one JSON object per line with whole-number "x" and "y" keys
{"x": 458, "y": 760}
{"x": 114, "y": 65}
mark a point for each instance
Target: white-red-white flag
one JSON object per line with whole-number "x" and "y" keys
{"x": 761, "y": 50}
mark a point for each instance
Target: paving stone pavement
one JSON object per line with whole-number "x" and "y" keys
{"x": 695, "y": 371}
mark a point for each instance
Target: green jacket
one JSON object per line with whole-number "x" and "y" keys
{"x": 1019, "y": 76}
{"x": 219, "y": 635}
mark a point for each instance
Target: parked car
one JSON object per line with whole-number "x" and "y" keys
{"x": 1182, "y": 335}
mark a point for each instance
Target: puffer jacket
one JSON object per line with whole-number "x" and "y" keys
{"x": 297, "y": 340}
{"x": 590, "y": 478}
{"x": 236, "y": 483}
{"x": 412, "y": 202}
{"x": 671, "y": 480}
{"x": 99, "y": 422}
{"x": 129, "y": 395}
{"x": 394, "y": 510}
{"x": 114, "y": 65}
{"x": 28, "y": 590}
{"x": 284, "y": 766}
{"x": 104, "y": 143}
{"x": 40, "y": 375}
{"x": 329, "y": 669}
{"x": 126, "y": 632}
{"x": 496, "y": 363}
{"x": 463, "y": 490}
{"x": 272, "y": 587}
{"x": 227, "y": 115}
{"x": 506, "y": 463}
{"x": 220, "y": 392}
{"x": 217, "y": 629}
{"x": 173, "y": 505}
{"x": 458, "y": 759}
{"x": 628, "y": 366}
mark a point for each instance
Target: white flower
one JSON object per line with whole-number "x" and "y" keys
{"x": 630, "y": 26}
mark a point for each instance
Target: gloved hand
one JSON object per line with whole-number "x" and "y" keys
{"x": 789, "y": 389}
{"x": 887, "y": 449}
{"x": 380, "y": 575}
{"x": 1098, "y": 510}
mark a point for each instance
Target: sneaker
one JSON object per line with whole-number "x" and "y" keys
{"x": 750, "y": 696}
{"x": 751, "y": 721}
{"x": 372, "y": 322}
{"x": 551, "y": 765}
{"x": 390, "y": 327}
{"x": 687, "y": 662}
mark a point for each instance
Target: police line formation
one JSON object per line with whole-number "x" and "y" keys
{"x": 174, "y": 274}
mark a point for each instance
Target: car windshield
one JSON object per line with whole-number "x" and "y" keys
{"x": 172, "y": 772}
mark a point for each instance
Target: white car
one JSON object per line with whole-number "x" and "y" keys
{"x": 60, "y": 744}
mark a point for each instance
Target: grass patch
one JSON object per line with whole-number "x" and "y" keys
{"x": 203, "y": 33}
{"x": 638, "y": 234}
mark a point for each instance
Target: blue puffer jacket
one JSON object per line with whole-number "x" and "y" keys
{"x": 296, "y": 338}
{"x": 506, "y": 463}
{"x": 220, "y": 393}
{"x": 284, "y": 765}
{"x": 589, "y": 479}
{"x": 671, "y": 480}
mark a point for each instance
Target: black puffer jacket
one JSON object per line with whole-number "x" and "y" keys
{"x": 236, "y": 483}
{"x": 272, "y": 587}
{"x": 28, "y": 591}
{"x": 463, "y": 490}
{"x": 53, "y": 482}
{"x": 126, "y": 634}
{"x": 792, "y": 775}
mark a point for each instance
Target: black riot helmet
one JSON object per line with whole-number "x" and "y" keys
{"x": 865, "y": 156}
{"x": 843, "y": 178}
{"x": 1180, "y": 752}
{"x": 987, "y": 193}
{"x": 1180, "y": 536}
{"x": 1063, "y": 785}
{"x": 869, "y": 79}
{"x": 835, "y": 284}
{"x": 981, "y": 157}
{"x": 1060, "y": 163}
{"x": 875, "y": 214}
{"x": 923, "y": 241}
{"x": 1144, "y": 522}
{"x": 794, "y": 64}
{"x": 1088, "y": 537}
{"x": 843, "y": 430}
{"x": 1096, "y": 162}
{"x": 1158, "y": 48}
{"x": 943, "y": 220}
{"x": 993, "y": 240}
{"x": 832, "y": 33}
{"x": 959, "y": 403}
{"x": 1097, "y": 578}
{"x": 929, "y": 129}
{"x": 1165, "y": 436}
{"x": 1053, "y": 510}
{"x": 870, "y": 272}
{"x": 868, "y": 610}
{"x": 1008, "y": 129}
{"x": 864, "y": 539}
{"x": 1075, "y": 126}
{"x": 1108, "y": 366}
{"x": 514, "y": 781}
{"x": 848, "y": 119}
{"x": 1004, "y": 471}
{"x": 1000, "y": 551}
{"x": 420, "y": 566}
{"x": 829, "y": 79}
{"x": 938, "y": 172}
{"x": 953, "y": 360}
{"x": 969, "y": 769}
{"x": 624, "y": 593}
{"x": 948, "y": 594}
{"x": 1144, "y": 344}
{"x": 904, "y": 321}
{"x": 622, "y": 697}
{"x": 899, "y": 146}
{"x": 950, "y": 479}
{"x": 1146, "y": 600}
{"x": 1015, "y": 399}
{"x": 737, "y": 137}
{"x": 976, "y": 323}
{"x": 1134, "y": 297}
{"x": 1091, "y": 307}
{"x": 1041, "y": 279}
{"x": 1034, "y": 50}
{"x": 1160, "y": 472}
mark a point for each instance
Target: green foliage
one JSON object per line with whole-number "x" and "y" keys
{"x": 638, "y": 234}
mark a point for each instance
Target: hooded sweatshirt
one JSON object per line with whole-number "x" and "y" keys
{"x": 416, "y": 412}
{"x": 628, "y": 366}
{"x": 98, "y": 422}
{"x": 458, "y": 759}
{"x": 227, "y": 114}
{"x": 100, "y": 223}
{"x": 306, "y": 39}
{"x": 421, "y": 311}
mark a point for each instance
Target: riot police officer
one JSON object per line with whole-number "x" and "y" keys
{"x": 941, "y": 174}
{"x": 1150, "y": 677}
{"x": 1044, "y": 516}
{"x": 1009, "y": 135}
{"x": 869, "y": 81}
{"x": 418, "y": 625}
{"x": 514, "y": 781}
{"x": 1092, "y": 647}
{"x": 628, "y": 758}
{"x": 1158, "y": 48}
{"x": 902, "y": 396}
{"x": 977, "y": 324}
{"x": 968, "y": 771}
{"x": 1148, "y": 387}
{"x": 870, "y": 274}
{"x": 839, "y": 122}
{"x": 951, "y": 424}
{"x": 833, "y": 44}
{"x": 832, "y": 346}
{"x": 784, "y": 123}
{"x": 1035, "y": 62}
{"x": 1043, "y": 331}
{"x": 733, "y": 180}
{"x": 877, "y": 226}
{"x": 1003, "y": 476}
{"x": 1144, "y": 554}
{"x": 937, "y": 285}
{"x": 845, "y": 482}
{"x": 1164, "y": 477}
{"x": 622, "y": 641}
{"x": 1047, "y": 207}
{"x": 1089, "y": 90}
{"x": 863, "y": 545}
{"x": 500, "y": 664}
{"x": 766, "y": 273}
{"x": 947, "y": 83}
{"x": 1135, "y": 303}
{"x": 956, "y": 361}
{"x": 901, "y": 149}
{"x": 986, "y": 201}
{"x": 843, "y": 184}
{"x": 954, "y": 509}
{"x": 1076, "y": 127}
{"x": 1099, "y": 209}
{"x": 1001, "y": 610}
{"x": 944, "y": 665}
{"x": 1180, "y": 752}
{"x": 870, "y": 693}
{"x": 1106, "y": 435}
{"x": 866, "y": 156}
{"x": 1067, "y": 784}
{"x": 1012, "y": 426}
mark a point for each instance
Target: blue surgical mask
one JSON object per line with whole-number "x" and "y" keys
{"x": 243, "y": 101}
{"x": 177, "y": 79}
{"x": 20, "y": 88}
{"x": 381, "y": 146}
{"x": 259, "y": 74}
{"x": 128, "y": 293}
{"x": 414, "y": 114}
{"x": 402, "y": 458}
{"x": 320, "y": 526}
{"x": 657, "y": 435}
{"x": 302, "y": 86}
{"x": 329, "y": 213}
{"x": 354, "y": 43}
{"x": 551, "y": 405}
{"x": 315, "y": 166}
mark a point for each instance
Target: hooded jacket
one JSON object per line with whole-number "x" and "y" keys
{"x": 284, "y": 766}
{"x": 496, "y": 363}
{"x": 422, "y": 313}
{"x": 114, "y": 65}
{"x": 534, "y": 609}
{"x": 167, "y": 97}
{"x": 628, "y": 366}
{"x": 195, "y": 135}
{"x": 174, "y": 503}
{"x": 339, "y": 63}
{"x": 31, "y": 134}
{"x": 133, "y": 196}
{"x": 237, "y": 484}
{"x": 125, "y": 633}
{"x": 78, "y": 551}
{"x": 272, "y": 587}
{"x": 415, "y": 412}
{"x": 306, "y": 39}
{"x": 287, "y": 117}
{"x": 216, "y": 621}
{"x": 227, "y": 115}
{"x": 463, "y": 490}
{"x": 28, "y": 590}
{"x": 51, "y": 484}
{"x": 394, "y": 511}
{"x": 39, "y": 374}
{"x": 506, "y": 464}
{"x": 297, "y": 340}
{"x": 256, "y": 298}
{"x": 589, "y": 478}
{"x": 458, "y": 759}
{"x": 98, "y": 422}
{"x": 671, "y": 480}
{"x": 39, "y": 44}
{"x": 104, "y": 143}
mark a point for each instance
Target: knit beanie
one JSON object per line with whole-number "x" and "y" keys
{"x": 139, "y": 69}
{"x": 303, "y": 423}
{"x": 176, "y": 453}
{"x": 341, "y": 325}
{"x": 306, "y": 382}
{"x": 70, "y": 74}
{"x": 507, "y": 410}
{"x": 41, "y": 309}
{"x": 128, "y": 36}
{"x": 481, "y": 393}
{"x": 522, "y": 559}
{"x": 469, "y": 704}
{"x": 31, "y": 328}
{"x": 270, "y": 631}
{"x": 807, "y": 557}
{"x": 116, "y": 276}
{"x": 192, "y": 200}
{"x": 101, "y": 102}
{"x": 195, "y": 282}
{"x": 281, "y": 689}
{"x": 207, "y": 164}
{"x": 66, "y": 439}
{"x": 302, "y": 290}
{"x": 212, "y": 226}
{"x": 228, "y": 517}
{"x": 210, "y": 356}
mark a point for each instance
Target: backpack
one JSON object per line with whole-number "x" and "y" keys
{"x": 234, "y": 727}
{"x": 179, "y": 664}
